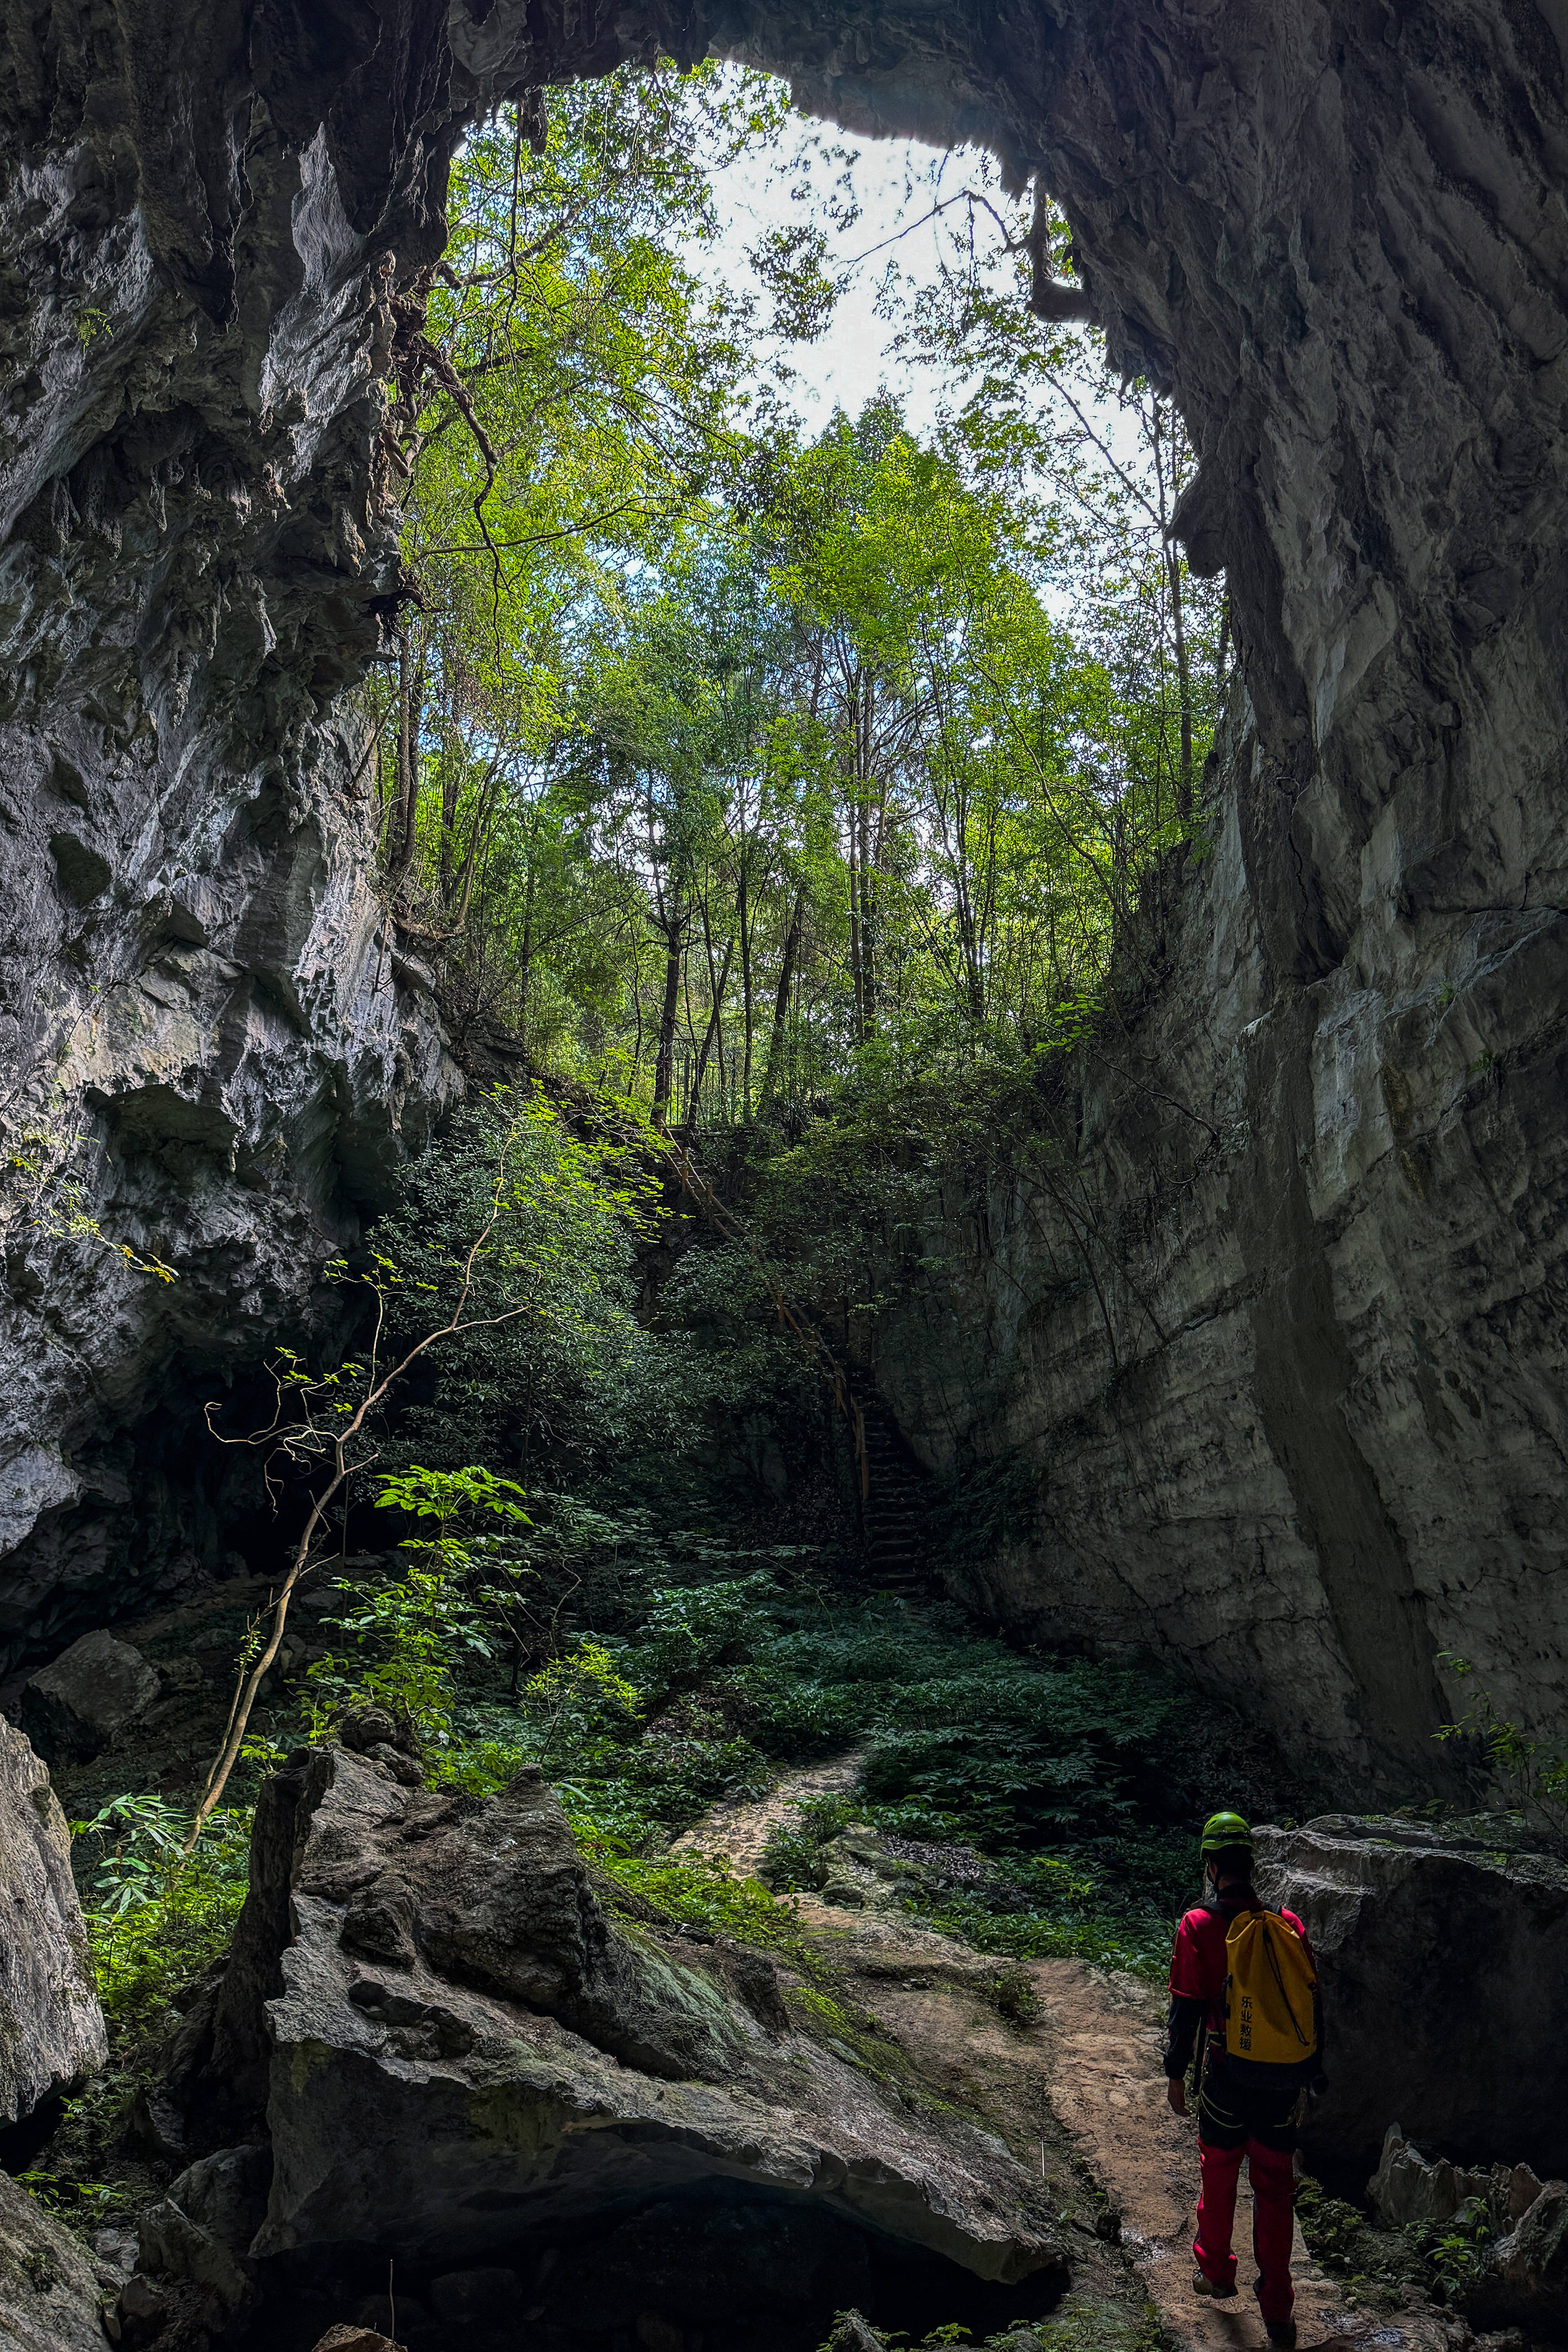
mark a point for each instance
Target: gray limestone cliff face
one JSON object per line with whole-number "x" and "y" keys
{"x": 1277, "y": 1351}
{"x": 1266, "y": 1352}
{"x": 51, "y": 2027}
{"x": 207, "y": 1061}
{"x": 1257, "y": 1363}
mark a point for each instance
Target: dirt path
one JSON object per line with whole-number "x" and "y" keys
{"x": 1108, "y": 2089}
{"x": 740, "y": 1831}
{"x": 1095, "y": 2057}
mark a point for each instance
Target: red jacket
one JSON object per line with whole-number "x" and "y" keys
{"x": 1198, "y": 1971}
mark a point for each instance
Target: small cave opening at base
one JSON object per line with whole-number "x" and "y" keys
{"x": 713, "y": 2267}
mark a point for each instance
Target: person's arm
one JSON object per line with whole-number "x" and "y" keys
{"x": 1181, "y": 2033}
{"x": 1189, "y": 2006}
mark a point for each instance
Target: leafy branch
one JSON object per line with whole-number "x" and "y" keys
{"x": 328, "y": 1427}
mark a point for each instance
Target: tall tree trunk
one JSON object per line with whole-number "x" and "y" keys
{"x": 450, "y": 783}
{"x": 742, "y": 904}
{"x": 857, "y": 971}
{"x": 663, "y": 1067}
{"x": 868, "y": 891}
{"x": 407, "y": 764}
{"x": 637, "y": 999}
{"x": 1178, "y": 619}
{"x": 716, "y": 1007}
{"x": 781, "y": 1001}
{"x": 411, "y": 720}
{"x": 1184, "y": 688}
{"x": 525, "y": 944}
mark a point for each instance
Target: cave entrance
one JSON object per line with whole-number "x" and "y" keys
{"x": 714, "y": 2267}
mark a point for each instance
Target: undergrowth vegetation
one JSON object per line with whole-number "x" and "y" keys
{"x": 1054, "y": 1799}
{"x": 158, "y": 1919}
{"x": 1379, "y": 2266}
{"x": 1074, "y": 2331}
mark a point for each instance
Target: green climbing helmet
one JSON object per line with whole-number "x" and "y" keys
{"x": 1222, "y": 1830}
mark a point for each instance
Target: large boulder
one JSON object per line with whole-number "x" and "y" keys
{"x": 51, "y": 2027}
{"x": 1446, "y": 1998}
{"x": 74, "y": 1707}
{"x": 465, "y": 2064}
{"x": 51, "y": 2290}
{"x": 1528, "y": 2271}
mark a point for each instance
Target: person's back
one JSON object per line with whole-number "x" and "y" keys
{"x": 1247, "y": 2106}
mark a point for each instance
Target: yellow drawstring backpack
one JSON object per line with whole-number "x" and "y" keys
{"x": 1270, "y": 2006}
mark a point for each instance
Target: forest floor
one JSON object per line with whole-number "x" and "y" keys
{"x": 1079, "y": 2091}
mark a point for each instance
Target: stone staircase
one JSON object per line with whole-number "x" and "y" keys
{"x": 896, "y": 1506}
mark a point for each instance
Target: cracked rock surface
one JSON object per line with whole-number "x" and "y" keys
{"x": 1442, "y": 1985}
{"x": 455, "y": 2057}
{"x": 51, "y": 2290}
{"x": 451, "y": 1974}
{"x": 51, "y": 2028}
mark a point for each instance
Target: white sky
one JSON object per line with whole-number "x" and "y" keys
{"x": 895, "y": 183}
{"x": 891, "y": 181}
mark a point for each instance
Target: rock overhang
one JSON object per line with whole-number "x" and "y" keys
{"x": 458, "y": 2060}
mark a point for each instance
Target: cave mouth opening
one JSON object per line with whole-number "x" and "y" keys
{"x": 714, "y": 2266}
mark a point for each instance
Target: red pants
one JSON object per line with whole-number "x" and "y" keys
{"x": 1273, "y": 2220}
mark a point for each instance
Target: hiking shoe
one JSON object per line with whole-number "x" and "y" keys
{"x": 1281, "y": 2332}
{"x": 1203, "y": 2285}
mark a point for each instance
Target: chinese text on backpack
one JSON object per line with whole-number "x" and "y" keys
{"x": 1270, "y": 2012}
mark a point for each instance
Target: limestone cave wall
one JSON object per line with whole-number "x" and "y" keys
{"x": 1304, "y": 1413}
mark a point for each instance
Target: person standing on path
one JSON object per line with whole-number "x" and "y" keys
{"x": 1244, "y": 1993}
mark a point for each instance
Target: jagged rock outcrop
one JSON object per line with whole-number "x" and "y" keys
{"x": 1408, "y": 2187}
{"x": 459, "y": 2060}
{"x": 1524, "y": 2266}
{"x": 1445, "y": 1997}
{"x": 1275, "y": 1353}
{"x": 50, "y": 2291}
{"x": 51, "y": 2027}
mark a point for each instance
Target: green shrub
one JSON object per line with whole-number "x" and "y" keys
{"x": 791, "y": 1860}
{"x": 1456, "y": 2251}
{"x": 155, "y": 1920}
{"x": 1378, "y": 2264}
{"x": 1014, "y": 1995}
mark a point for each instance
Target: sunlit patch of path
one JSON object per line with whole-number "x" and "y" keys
{"x": 738, "y": 1832}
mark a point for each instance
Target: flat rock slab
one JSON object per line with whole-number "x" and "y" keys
{"x": 51, "y": 2027}
{"x": 1445, "y": 1993}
